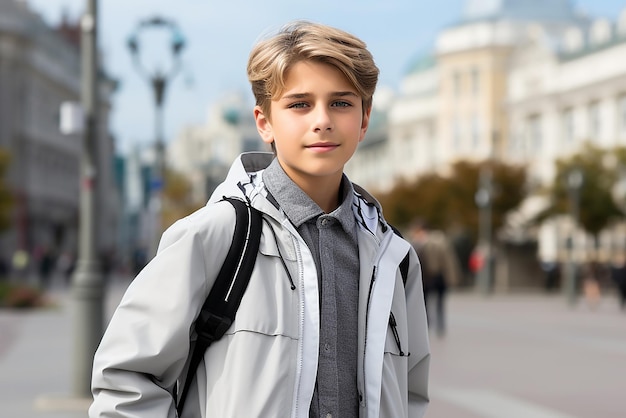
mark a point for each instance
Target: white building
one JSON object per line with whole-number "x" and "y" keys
{"x": 452, "y": 103}
{"x": 524, "y": 81}
{"x": 564, "y": 92}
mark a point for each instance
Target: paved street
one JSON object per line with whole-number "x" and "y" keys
{"x": 36, "y": 358}
{"x": 505, "y": 356}
{"x": 528, "y": 356}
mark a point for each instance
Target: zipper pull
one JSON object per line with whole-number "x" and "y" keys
{"x": 394, "y": 331}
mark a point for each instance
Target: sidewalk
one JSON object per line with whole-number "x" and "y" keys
{"x": 36, "y": 358}
{"x": 510, "y": 355}
{"x": 525, "y": 355}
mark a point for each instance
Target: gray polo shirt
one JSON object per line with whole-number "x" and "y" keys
{"x": 331, "y": 237}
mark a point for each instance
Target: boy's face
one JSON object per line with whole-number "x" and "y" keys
{"x": 316, "y": 123}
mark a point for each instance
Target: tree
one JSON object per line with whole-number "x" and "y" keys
{"x": 593, "y": 195}
{"x": 423, "y": 198}
{"x": 6, "y": 196}
{"x": 448, "y": 202}
{"x": 177, "y": 198}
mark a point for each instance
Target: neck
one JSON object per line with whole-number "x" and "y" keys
{"x": 325, "y": 192}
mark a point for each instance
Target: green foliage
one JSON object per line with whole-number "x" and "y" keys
{"x": 448, "y": 202}
{"x": 599, "y": 169}
{"x": 6, "y": 196}
{"x": 406, "y": 201}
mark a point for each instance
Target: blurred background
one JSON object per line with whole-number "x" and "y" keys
{"x": 499, "y": 126}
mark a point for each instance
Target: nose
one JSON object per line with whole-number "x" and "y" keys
{"x": 322, "y": 120}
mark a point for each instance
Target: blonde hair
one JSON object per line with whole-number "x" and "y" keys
{"x": 271, "y": 59}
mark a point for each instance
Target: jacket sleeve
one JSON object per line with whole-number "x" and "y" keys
{"x": 145, "y": 346}
{"x": 419, "y": 360}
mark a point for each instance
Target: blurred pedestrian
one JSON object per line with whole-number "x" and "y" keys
{"x": 332, "y": 323}
{"x": 618, "y": 275}
{"x": 65, "y": 266}
{"x": 592, "y": 274}
{"x": 552, "y": 274}
{"x": 476, "y": 261}
{"x": 4, "y": 269}
{"x": 46, "y": 267}
{"x": 440, "y": 269}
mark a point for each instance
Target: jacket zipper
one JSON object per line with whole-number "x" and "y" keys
{"x": 369, "y": 298}
{"x": 301, "y": 343}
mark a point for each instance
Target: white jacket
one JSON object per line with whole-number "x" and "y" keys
{"x": 265, "y": 365}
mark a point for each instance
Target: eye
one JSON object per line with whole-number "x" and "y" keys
{"x": 341, "y": 103}
{"x": 297, "y": 105}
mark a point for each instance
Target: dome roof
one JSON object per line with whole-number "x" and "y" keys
{"x": 558, "y": 10}
{"x": 421, "y": 62}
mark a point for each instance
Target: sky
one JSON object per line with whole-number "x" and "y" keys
{"x": 219, "y": 36}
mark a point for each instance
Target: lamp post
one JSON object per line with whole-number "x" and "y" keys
{"x": 618, "y": 193}
{"x": 483, "y": 200}
{"x": 159, "y": 80}
{"x": 87, "y": 283}
{"x": 574, "y": 183}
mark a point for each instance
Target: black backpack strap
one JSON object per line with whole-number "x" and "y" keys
{"x": 220, "y": 307}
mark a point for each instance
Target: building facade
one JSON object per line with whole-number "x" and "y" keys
{"x": 204, "y": 153}
{"x": 559, "y": 99}
{"x": 453, "y": 102}
{"x": 523, "y": 81}
{"x": 39, "y": 70}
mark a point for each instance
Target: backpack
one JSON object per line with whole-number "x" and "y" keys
{"x": 220, "y": 307}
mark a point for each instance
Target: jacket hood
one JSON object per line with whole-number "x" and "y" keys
{"x": 244, "y": 177}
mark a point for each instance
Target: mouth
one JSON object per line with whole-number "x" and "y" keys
{"x": 322, "y": 146}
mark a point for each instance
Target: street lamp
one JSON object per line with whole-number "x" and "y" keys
{"x": 158, "y": 79}
{"x": 618, "y": 193}
{"x": 483, "y": 200}
{"x": 574, "y": 183}
{"x": 87, "y": 282}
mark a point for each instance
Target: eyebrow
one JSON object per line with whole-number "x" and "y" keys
{"x": 307, "y": 95}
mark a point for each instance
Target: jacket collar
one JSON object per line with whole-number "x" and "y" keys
{"x": 244, "y": 180}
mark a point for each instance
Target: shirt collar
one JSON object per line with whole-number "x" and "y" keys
{"x": 298, "y": 206}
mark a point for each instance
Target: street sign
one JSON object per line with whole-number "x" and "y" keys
{"x": 72, "y": 120}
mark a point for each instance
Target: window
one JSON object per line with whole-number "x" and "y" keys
{"x": 594, "y": 121}
{"x": 514, "y": 143}
{"x": 475, "y": 130}
{"x": 456, "y": 126}
{"x": 535, "y": 140}
{"x": 621, "y": 118}
{"x": 475, "y": 81}
{"x": 456, "y": 82}
{"x": 568, "y": 126}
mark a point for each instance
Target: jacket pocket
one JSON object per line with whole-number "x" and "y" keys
{"x": 270, "y": 305}
{"x": 397, "y": 341}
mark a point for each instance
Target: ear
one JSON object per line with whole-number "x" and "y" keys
{"x": 365, "y": 122}
{"x": 263, "y": 125}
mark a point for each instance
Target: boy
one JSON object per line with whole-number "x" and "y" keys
{"x": 327, "y": 326}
